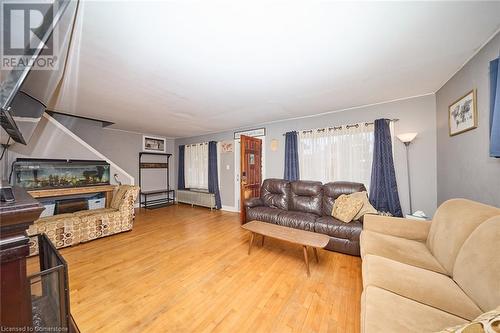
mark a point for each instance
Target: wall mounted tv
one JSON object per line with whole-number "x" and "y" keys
{"x": 36, "y": 38}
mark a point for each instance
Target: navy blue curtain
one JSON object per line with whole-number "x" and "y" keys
{"x": 383, "y": 188}
{"x": 291, "y": 156}
{"x": 181, "y": 185}
{"x": 495, "y": 108}
{"x": 213, "y": 177}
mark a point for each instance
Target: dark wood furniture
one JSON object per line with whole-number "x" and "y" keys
{"x": 15, "y": 218}
{"x": 50, "y": 303}
{"x": 250, "y": 170}
{"x": 20, "y": 311}
{"x": 56, "y": 192}
{"x": 295, "y": 236}
{"x": 162, "y": 197}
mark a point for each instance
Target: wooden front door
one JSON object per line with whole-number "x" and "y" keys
{"x": 250, "y": 171}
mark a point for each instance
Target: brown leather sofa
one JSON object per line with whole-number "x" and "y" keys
{"x": 307, "y": 205}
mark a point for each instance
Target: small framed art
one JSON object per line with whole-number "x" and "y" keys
{"x": 153, "y": 144}
{"x": 462, "y": 114}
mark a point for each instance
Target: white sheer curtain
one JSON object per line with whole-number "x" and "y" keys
{"x": 341, "y": 153}
{"x": 196, "y": 166}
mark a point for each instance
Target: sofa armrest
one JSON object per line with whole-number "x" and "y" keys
{"x": 253, "y": 202}
{"x": 399, "y": 227}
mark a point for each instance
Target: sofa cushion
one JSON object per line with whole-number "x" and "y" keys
{"x": 343, "y": 245}
{"x": 118, "y": 196}
{"x": 297, "y": 220}
{"x": 486, "y": 322}
{"x": 421, "y": 285}
{"x": 306, "y": 196}
{"x": 101, "y": 223}
{"x": 452, "y": 224}
{"x": 263, "y": 213}
{"x": 253, "y": 202}
{"x": 331, "y": 191}
{"x": 275, "y": 193}
{"x": 332, "y": 227}
{"x": 407, "y": 251}
{"x": 82, "y": 213}
{"x": 63, "y": 230}
{"x": 477, "y": 268}
{"x": 398, "y": 227}
{"x": 367, "y": 206}
{"x": 346, "y": 208}
{"x": 384, "y": 311}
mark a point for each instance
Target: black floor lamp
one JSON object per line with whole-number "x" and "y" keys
{"x": 407, "y": 138}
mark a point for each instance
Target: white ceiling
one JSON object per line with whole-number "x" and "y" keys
{"x": 181, "y": 69}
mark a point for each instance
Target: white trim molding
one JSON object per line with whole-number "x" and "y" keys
{"x": 230, "y": 209}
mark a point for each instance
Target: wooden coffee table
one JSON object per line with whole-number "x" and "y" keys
{"x": 295, "y": 236}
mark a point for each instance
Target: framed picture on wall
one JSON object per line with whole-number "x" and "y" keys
{"x": 462, "y": 114}
{"x": 153, "y": 144}
{"x": 227, "y": 147}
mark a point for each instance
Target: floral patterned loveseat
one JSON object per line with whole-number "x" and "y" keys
{"x": 83, "y": 226}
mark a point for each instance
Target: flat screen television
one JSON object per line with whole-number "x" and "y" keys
{"x": 33, "y": 68}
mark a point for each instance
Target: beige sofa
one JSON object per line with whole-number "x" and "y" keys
{"x": 424, "y": 276}
{"x": 83, "y": 226}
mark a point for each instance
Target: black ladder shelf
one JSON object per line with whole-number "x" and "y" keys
{"x": 169, "y": 195}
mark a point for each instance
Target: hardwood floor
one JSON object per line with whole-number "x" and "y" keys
{"x": 184, "y": 269}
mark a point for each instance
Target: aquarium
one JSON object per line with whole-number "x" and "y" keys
{"x": 49, "y": 174}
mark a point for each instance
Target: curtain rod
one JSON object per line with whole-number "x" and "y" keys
{"x": 340, "y": 127}
{"x": 197, "y": 144}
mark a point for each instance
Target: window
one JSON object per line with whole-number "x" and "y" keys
{"x": 341, "y": 153}
{"x": 196, "y": 166}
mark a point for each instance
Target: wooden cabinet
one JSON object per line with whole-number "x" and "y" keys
{"x": 17, "y": 302}
{"x": 15, "y": 219}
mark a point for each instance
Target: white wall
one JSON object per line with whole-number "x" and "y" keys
{"x": 71, "y": 138}
{"x": 123, "y": 148}
{"x": 464, "y": 167}
{"x": 52, "y": 140}
{"x": 416, "y": 115}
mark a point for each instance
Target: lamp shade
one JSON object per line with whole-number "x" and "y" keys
{"x": 407, "y": 137}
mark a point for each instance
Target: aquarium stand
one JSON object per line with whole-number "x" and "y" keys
{"x": 59, "y": 192}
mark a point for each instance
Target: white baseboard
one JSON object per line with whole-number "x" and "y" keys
{"x": 230, "y": 209}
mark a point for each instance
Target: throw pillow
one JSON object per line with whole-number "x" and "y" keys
{"x": 367, "y": 207}
{"x": 488, "y": 322}
{"x": 346, "y": 207}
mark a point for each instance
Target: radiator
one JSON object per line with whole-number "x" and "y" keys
{"x": 197, "y": 198}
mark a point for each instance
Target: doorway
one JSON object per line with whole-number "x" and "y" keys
{"x": 237, "y": 165}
